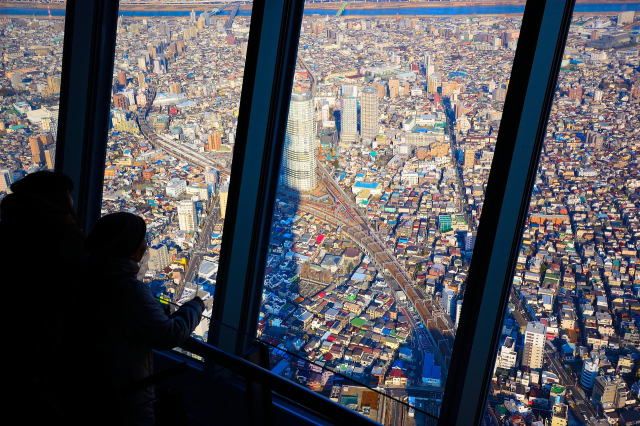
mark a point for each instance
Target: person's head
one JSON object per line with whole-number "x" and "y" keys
{"x": 52, "y": 187}
{"x": 118, "y": 235}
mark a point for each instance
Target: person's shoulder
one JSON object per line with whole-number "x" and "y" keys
{"x": 135, "y": 285}
{"x": 138, "y": 289}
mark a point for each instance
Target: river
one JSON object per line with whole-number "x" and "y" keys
{"x": 404, "y": 11}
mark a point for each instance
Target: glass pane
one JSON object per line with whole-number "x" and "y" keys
{"x": 390, "y": 137}
{"x": 31, "y": 50}
{"x": 569, "y": 343}
{"x": 340, "y": 388}
{"x": 176, "y": 93}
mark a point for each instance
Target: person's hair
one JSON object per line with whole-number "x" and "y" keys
{"x": 50, "y": 186}
{"x": 116, "y": 235}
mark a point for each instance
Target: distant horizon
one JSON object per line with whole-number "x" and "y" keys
{"x": 368, "y": 9}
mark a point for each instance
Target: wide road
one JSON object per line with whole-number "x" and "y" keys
{"x": 197, "y": 159}
{"x": 582, "y": 408}
{"x": 199, "y": 248}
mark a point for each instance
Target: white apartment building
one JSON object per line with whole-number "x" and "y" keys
{"x": 534, "y": 338}
{"x": 299, "y": 162}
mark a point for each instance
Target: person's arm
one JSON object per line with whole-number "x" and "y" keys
{"x": 149, "y": 322}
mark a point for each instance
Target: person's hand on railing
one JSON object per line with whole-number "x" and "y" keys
{"x": 198, "y": 299}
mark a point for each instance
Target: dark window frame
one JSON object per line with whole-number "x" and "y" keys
{"x": 264, "y": 105}
{"x": 88, "y": 56}
{"x": 543, "y": 34}
{"x": 85, "y": 100}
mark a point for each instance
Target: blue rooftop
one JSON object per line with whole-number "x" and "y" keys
{"x": 429, "y": 369}
{"x": 366, "y": 185}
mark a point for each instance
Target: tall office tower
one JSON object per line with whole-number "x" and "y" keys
{"x": 142, "y": 64}
{"x": 469, "y": 241}
{"x": 214, "y": 141}
{"x": 37, "y": 154}
{"x": 428, "y": 65}
{"x": 49, "y": 157}
{"x": 223, "y": 195}
{"x": 152, "y": 50}
{"x": 625, "y": 18}
{"x": 469, "y": 158}
{"x": 433, "y": 83}
{"x": 53, "y": 84}
{"x": 534, "y": 337}
{"x": 560, "y": 416}
{"x": 349, "y": 117}
{"x": 299, "y": 162}
{"x": 142, "y": 79}
{"x": 369, "y": 114}
{"x": 448, "y": 296}
{"x": 160, "y": 66}
{"x": 394, "y": 88}
{"x": 589, "y": 373}
{"x": 187, "y": 215}
{"x": 325, "y": 113}
{"x": 458, "y": 311}
{"x": 5, "y": 179}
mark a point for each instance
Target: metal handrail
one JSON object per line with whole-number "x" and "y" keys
{"x": 266, "y": 343}
{"x": 291, "y": 391}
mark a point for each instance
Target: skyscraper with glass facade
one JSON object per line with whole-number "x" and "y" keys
{"x": 299, "y": 163}
{"x": 369, "y": 114}
{"x": 349, "y": 115}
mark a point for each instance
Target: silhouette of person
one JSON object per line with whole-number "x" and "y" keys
{"x": 41, "y": 253}
{"x": 135, "y": 322}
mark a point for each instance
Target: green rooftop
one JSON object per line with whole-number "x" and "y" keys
{"x": 358, "y": 322}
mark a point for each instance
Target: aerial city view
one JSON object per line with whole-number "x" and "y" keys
{"x": 390, "y": 137}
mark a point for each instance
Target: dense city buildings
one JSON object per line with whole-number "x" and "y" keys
{"x": 389, "y": 144}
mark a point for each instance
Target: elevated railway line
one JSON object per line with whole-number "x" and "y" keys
{"x": 174, "y": 148}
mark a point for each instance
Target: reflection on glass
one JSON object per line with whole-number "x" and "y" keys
{"x": 389, "y": 143}
{"x": 569, "y": 347}
{"x": 31, "y": 51}
{"x": 340, "y": 388}
{"x": 176, "y": 91}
